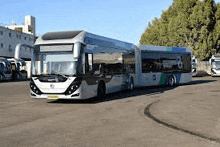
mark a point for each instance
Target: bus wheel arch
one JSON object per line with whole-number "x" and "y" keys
{"x": 101, "y": 90}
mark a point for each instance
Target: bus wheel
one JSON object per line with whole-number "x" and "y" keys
{"x": 25, "y": 76}
{"x": 171, "y": 81}
{"x": 131, "y": 84}
{"x": 101, "y": 90}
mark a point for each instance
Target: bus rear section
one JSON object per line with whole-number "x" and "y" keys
{"x": 164, "y": 65}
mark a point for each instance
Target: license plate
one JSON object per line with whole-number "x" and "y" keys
{"x": 52, "y": 97}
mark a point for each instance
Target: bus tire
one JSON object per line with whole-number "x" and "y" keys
{"x": 171, "y": 81}
{"x": 17, "y": 77}
{"x": 131, "y": 84}
{"x": 101, "y": 90}
{"x": 25, "y": 76}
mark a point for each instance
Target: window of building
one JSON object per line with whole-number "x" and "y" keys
{"x": 9, "y": 48}
{"x": 1, "y": 32}
{"x": 29, "y": 39}
{"x": 1, "y": 45}
{"x": 25, "y": 38}
{"x": 9, "y": 34}
{"x": 16, "y": 35}
{"x": 27, "y": 49}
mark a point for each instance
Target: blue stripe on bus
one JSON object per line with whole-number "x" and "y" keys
{"x": 177, "y": 49}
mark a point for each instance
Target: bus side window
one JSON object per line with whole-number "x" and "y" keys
{"x": 1, "y": 68}
{"x": 89, "y": 63}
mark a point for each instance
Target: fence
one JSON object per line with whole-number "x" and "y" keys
{"x": 203, "y": 68}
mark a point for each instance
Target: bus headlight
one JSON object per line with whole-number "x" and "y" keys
{"x": 34, "y": 88}
{"x": 213, "y": 71}
{"x": 72, "y": 88}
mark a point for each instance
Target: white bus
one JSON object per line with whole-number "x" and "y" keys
{"x": 18, "y": 66}
{"x": 5, "y": 69}
{"x": 81, "y": 65}
{"x": 12, "y": 69}
{"x": 215, "y": 65}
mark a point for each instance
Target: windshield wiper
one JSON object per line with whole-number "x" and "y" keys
{"x": 63, "y": 75}
{"x": 39, "y": 76}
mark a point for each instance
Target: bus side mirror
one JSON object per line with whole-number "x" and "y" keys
{"x": 76, "y": 50}
{"x": 102, "y": 68}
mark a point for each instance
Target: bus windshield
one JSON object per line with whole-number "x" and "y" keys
{"x": 53, "y": 63}
{"x": 216, "y": 64}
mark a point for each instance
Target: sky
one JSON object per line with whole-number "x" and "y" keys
{"x": 117, "y": 19}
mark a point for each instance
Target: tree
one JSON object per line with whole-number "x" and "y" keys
{"x": 152, "y": 33}
{"x": 216, "y": 31}
{"x": 191, "y": 23}
{"x": 202, "y": 23}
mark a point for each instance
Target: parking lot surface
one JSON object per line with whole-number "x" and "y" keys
{"x": 183, "y": 116}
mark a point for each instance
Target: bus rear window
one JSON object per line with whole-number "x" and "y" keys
{"x": 56, "y": 48}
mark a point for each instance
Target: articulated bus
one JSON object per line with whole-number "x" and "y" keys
{"x": 81, "y": 65}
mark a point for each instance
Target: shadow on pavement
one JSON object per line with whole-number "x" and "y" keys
{"x": 152, "y": 90}
{"x": 119, "y": 95}
{"x": 196, "y": 82}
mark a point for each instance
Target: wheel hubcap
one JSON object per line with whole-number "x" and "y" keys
{"x": 171, "y": 81}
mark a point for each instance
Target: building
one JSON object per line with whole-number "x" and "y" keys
{"x": 27, "y": 27}
{"x": 12, "y": 35}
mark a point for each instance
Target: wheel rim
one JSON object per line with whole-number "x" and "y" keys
{"x": 132, "y": 86}
{"x": 171, "y": 81}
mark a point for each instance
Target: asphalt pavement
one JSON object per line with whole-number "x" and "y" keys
{"x": 195, "y": 111}
{"x": 184, "y": 116}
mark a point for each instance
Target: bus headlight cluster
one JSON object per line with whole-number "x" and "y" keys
{"x": 213, "y": 71}
{"x": 34, "y": 88}
{"x": 72, "y": 88}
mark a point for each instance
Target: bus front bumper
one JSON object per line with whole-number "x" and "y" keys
{"x": 56, "y": 96}
{"x": 215, "y": 72}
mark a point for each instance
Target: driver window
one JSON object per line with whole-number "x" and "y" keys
{"x": 89, "y": 63}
